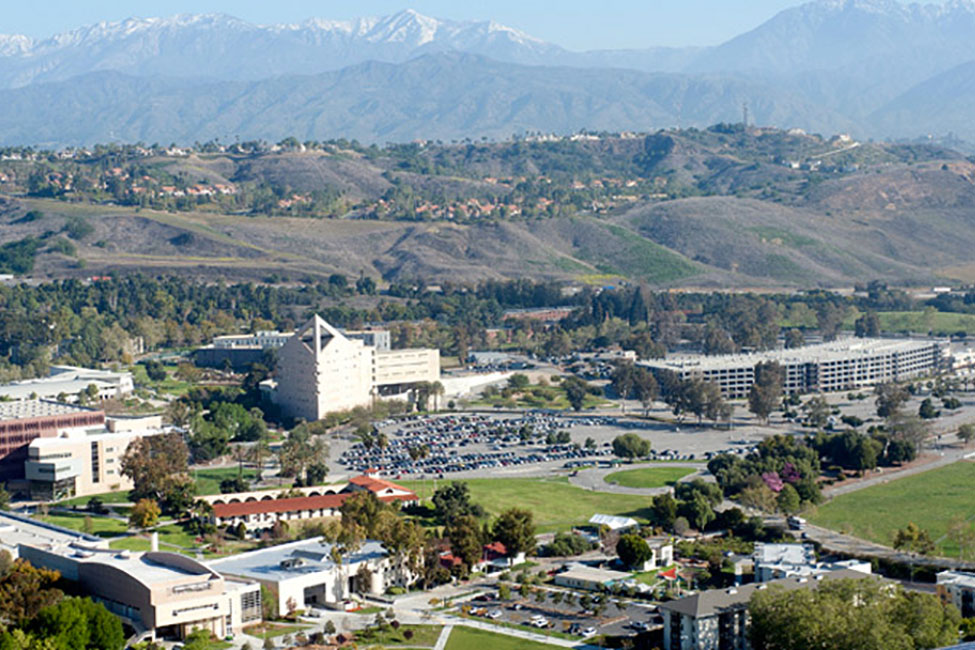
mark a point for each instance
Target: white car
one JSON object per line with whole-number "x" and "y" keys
{"x": 494, "y": 614}
{"x": 589, "y": 631}
{"x": 540, "y": 622}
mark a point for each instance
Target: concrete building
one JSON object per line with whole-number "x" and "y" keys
{"x": 67, "y": 382}
{"x": 957, "y": 588}
{"x": 776, "y": 561}
{"x": 164, "y": 594}
{"x": 16, "y": 530}
{"x": 82, "y": 461}
{"x": 717, "y": 619}
{"x": 315, "y": 572}
{"x": 848, "y": 364}
{"x": 320, "y": 370}
{"x": 22, "y": 422}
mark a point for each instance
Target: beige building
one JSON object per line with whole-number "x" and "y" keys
{"x": 82, "y": 461}
{"x": 321, "y": 370}
{"x": 163, "y": 594}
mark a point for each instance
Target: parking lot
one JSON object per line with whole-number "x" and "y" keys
{"x": 478, "y": 444}
{"x": 567, "y": 615}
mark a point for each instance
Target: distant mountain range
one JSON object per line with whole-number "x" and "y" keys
{"x": 874, "y": 68}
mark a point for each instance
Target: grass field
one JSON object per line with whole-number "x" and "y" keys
{"x": 208, "y": 480}
{"x": 465, "y": 638}
{"x": 932, "y": 500}
{"x": 941, "y": 323}
{"x": 648, "y": 477}
{"x": 538, "y": 397}
{"x": 271, "y": 630}
{"x": 556, "y": 504}
{"x": 100, "y": 526}
{"x": 122, "y": 496}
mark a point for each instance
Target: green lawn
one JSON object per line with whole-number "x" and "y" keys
{"x": 424, "y": 636}
{"x": 541, "y": 397}
{"x": 271, "y": 630}
{"x": 465, "y": 638}
{"x": 648, "y": 477}
{"x": 208, "y": 480}
{"x": 557, "y": 504}
{"x": 100, "y": 526}
{"x": 121, "y": 496}
{"x": 932, "y": 500}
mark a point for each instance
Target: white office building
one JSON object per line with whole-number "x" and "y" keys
{"x": 67, "y": 382}
{"x": 847, "y": 364}
{"x": 315, "y": 572}
{"x": 321, "y": 370}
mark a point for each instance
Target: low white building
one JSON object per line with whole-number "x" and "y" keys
{"x": 67, "y": 382}
{"x": 580, "y": 576}
{"x": 314, "y": 572}
{"x": 776, "y": 561}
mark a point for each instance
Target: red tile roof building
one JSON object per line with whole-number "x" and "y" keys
{"x": 258, "y": 515}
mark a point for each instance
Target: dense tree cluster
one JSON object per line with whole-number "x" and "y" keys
{"x": 862, "y": 614}
{"x": 35, "y": 615}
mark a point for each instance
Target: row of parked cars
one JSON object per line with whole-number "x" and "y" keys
{"x": 468, "y": 442}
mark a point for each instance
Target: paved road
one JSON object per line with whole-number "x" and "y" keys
{"x": 595, "y": 478}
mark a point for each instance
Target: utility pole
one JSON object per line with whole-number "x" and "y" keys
{"x": 744, "y": 114}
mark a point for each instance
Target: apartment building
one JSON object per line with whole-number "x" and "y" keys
{"x": 717, "y": 619}
{"x": 321, "y": 370}
{"x": 957, "y": 588}
{"x": 848, "y": 364}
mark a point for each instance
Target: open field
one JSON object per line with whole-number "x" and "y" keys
{"x": 648, "y": 477}
{"x": 465, "y": 638}
{"x": 556, "y": 504}
{"x": 940, "y": 323}
{"x": 932, "y": 500}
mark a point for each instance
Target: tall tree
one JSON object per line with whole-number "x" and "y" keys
{"x": 151, "y": 462}
{"x": 766, "y": 392}
{"x": 515, "y": 528}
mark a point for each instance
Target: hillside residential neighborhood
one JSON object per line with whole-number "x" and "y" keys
{"x": 464, "y": 326}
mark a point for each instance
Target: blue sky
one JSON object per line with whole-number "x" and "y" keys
{"x": 575, "y": 24}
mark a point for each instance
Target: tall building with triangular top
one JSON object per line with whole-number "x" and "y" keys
{"x": 321, "y": 370}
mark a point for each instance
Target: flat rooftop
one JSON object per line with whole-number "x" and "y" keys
{"x": 278, "y": 563}
{"x": 38, "y": 408}
{"x": 839, "y": 350}
{"x": 590, "y": 574}
{"x": 16, "y": 530}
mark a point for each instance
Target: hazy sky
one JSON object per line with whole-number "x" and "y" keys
{"x": 575, "y": 24}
